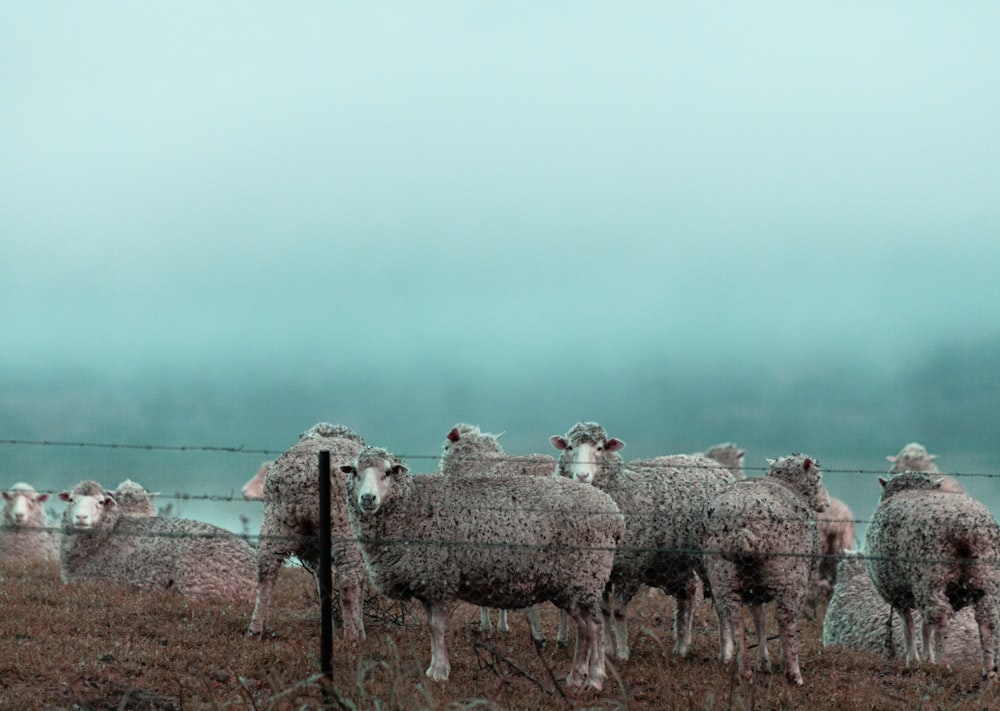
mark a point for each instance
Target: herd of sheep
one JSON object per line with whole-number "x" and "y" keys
{"x": 584, "y": 530}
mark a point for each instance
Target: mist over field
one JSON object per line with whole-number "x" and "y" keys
{"x": 219, "y": 225}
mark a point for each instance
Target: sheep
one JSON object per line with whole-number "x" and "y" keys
{"x": 502, "y": 541}
{"x": 133, "y": 499}
{"x": 253, "y": 490}
{"x": 192, "y": 558}
{"x": 858, "y": 618}
{"x": 27, "y": 533}
{"x": 467, "y": 451}
{"x": 836, "y": 528}
{"x": 914, "y": 457}
{"x": 935, "y": 552}
{"x": 662, "y": 500}
{"x": 761, "y": 544}
{"x": 291, "y": 519}
{"x": 728, "y": 455}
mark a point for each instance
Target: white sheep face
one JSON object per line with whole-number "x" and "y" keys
{"x": 370, "y": 484}
{"x": 583, "y": 459}
{"x": 84, "y": 512}
{"x": 21, "y": 505}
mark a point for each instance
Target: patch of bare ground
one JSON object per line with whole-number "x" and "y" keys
{"x": 100, "y": 646}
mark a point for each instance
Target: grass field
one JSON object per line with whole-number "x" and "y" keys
{"x": 99, "y": 646}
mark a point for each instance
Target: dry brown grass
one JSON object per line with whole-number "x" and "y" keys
{"x": 104, "y": 647}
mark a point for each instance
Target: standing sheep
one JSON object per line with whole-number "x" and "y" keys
{"x": 858, "y": 618}
{"x": 192, "y": 558}
{"x": 501, "y": 541}
{"x": 914, "y": 457}
{"x": 761, "y": 544}
{"x": 662, "y": 501}
{"x": 935, "y": 552}
{"x": 836, "y": 528}
{"x": 291, "y": 522}
{"x": 27, "y": 533}
{"x": 469, "y": 451}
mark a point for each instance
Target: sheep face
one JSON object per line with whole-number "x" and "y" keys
{"x": 370, "y": 481}
{"x": 86, "y": 510}
{"x": 23, "y": 504}
{"x": 582, "y": 457}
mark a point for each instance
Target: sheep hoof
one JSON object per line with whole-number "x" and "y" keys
{"x": 539, "y": 643}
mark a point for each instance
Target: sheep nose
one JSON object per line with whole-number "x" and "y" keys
{"x": 368, "y": 501}
{"x": 19, "y": 517}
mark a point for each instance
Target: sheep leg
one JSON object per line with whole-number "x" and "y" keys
{"x": 912, "y": 654}
{"x": 272, "y": 551}
{"x": 502, "y": 625}
{"x": 684, "y": 616}
{"x": 485, "y": 626}
{"x": 562, "y": 634}
{"x": 588, "y": 656}
{"x": 621, "y": 597}
{"x": 606, "y": 604}
{"x": 352, "y": 605}
{"x": 596, "y": 671}
{"x": 437, "y": 625}
{"x": 785, "y": 615}
{"x": 987, "y": 621}
{"x": 535, "y": 623}
{"x": 739, "y": 636}
{"x": 760, "y": 628}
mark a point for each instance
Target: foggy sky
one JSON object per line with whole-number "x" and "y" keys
{"x": 487, "y": 182}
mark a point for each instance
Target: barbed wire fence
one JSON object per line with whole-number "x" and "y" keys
{"x": 325, "y": 539}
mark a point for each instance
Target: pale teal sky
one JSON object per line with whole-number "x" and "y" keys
{"x": 479, "y": 180}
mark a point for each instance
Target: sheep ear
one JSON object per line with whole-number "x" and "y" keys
{"x": 348, "y": 469}
{"x": 882, "y": 481}
{"x": 400, "y": 469}
{"x": 891, "y": 459}
{"x": 770, "y": 462}
{"x": 559, "y": 442}
{"x": 807, "y": 464}
{"x": 614, "y": 444}
{"x": 7, "y": 496}
{"x": 64, "y": 496}
{"x": 938, "y": 483}
{"x": 453, "y": 436}
{"x": 41, "y": 498}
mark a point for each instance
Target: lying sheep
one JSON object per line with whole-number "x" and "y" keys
{"x": 501, "y": 541}
{"x": 662, "y": 501}
{"x": 761, "y": 544}
{"x": 914, "y": 457}
{"x": 253, "y": 490}
{"x": 192, "y": 558}
{"x": 935, "y": 552}
{"x": 291, "y": 522}
{"x": 26, "y": 532}
{"x": 836, "y": 528}
{"x": 469, "y": 451}
{"x": 134, "y": 500}
{"x": 858, "y": 618}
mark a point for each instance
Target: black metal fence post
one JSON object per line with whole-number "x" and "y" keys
{"x": 325, "y": 569}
